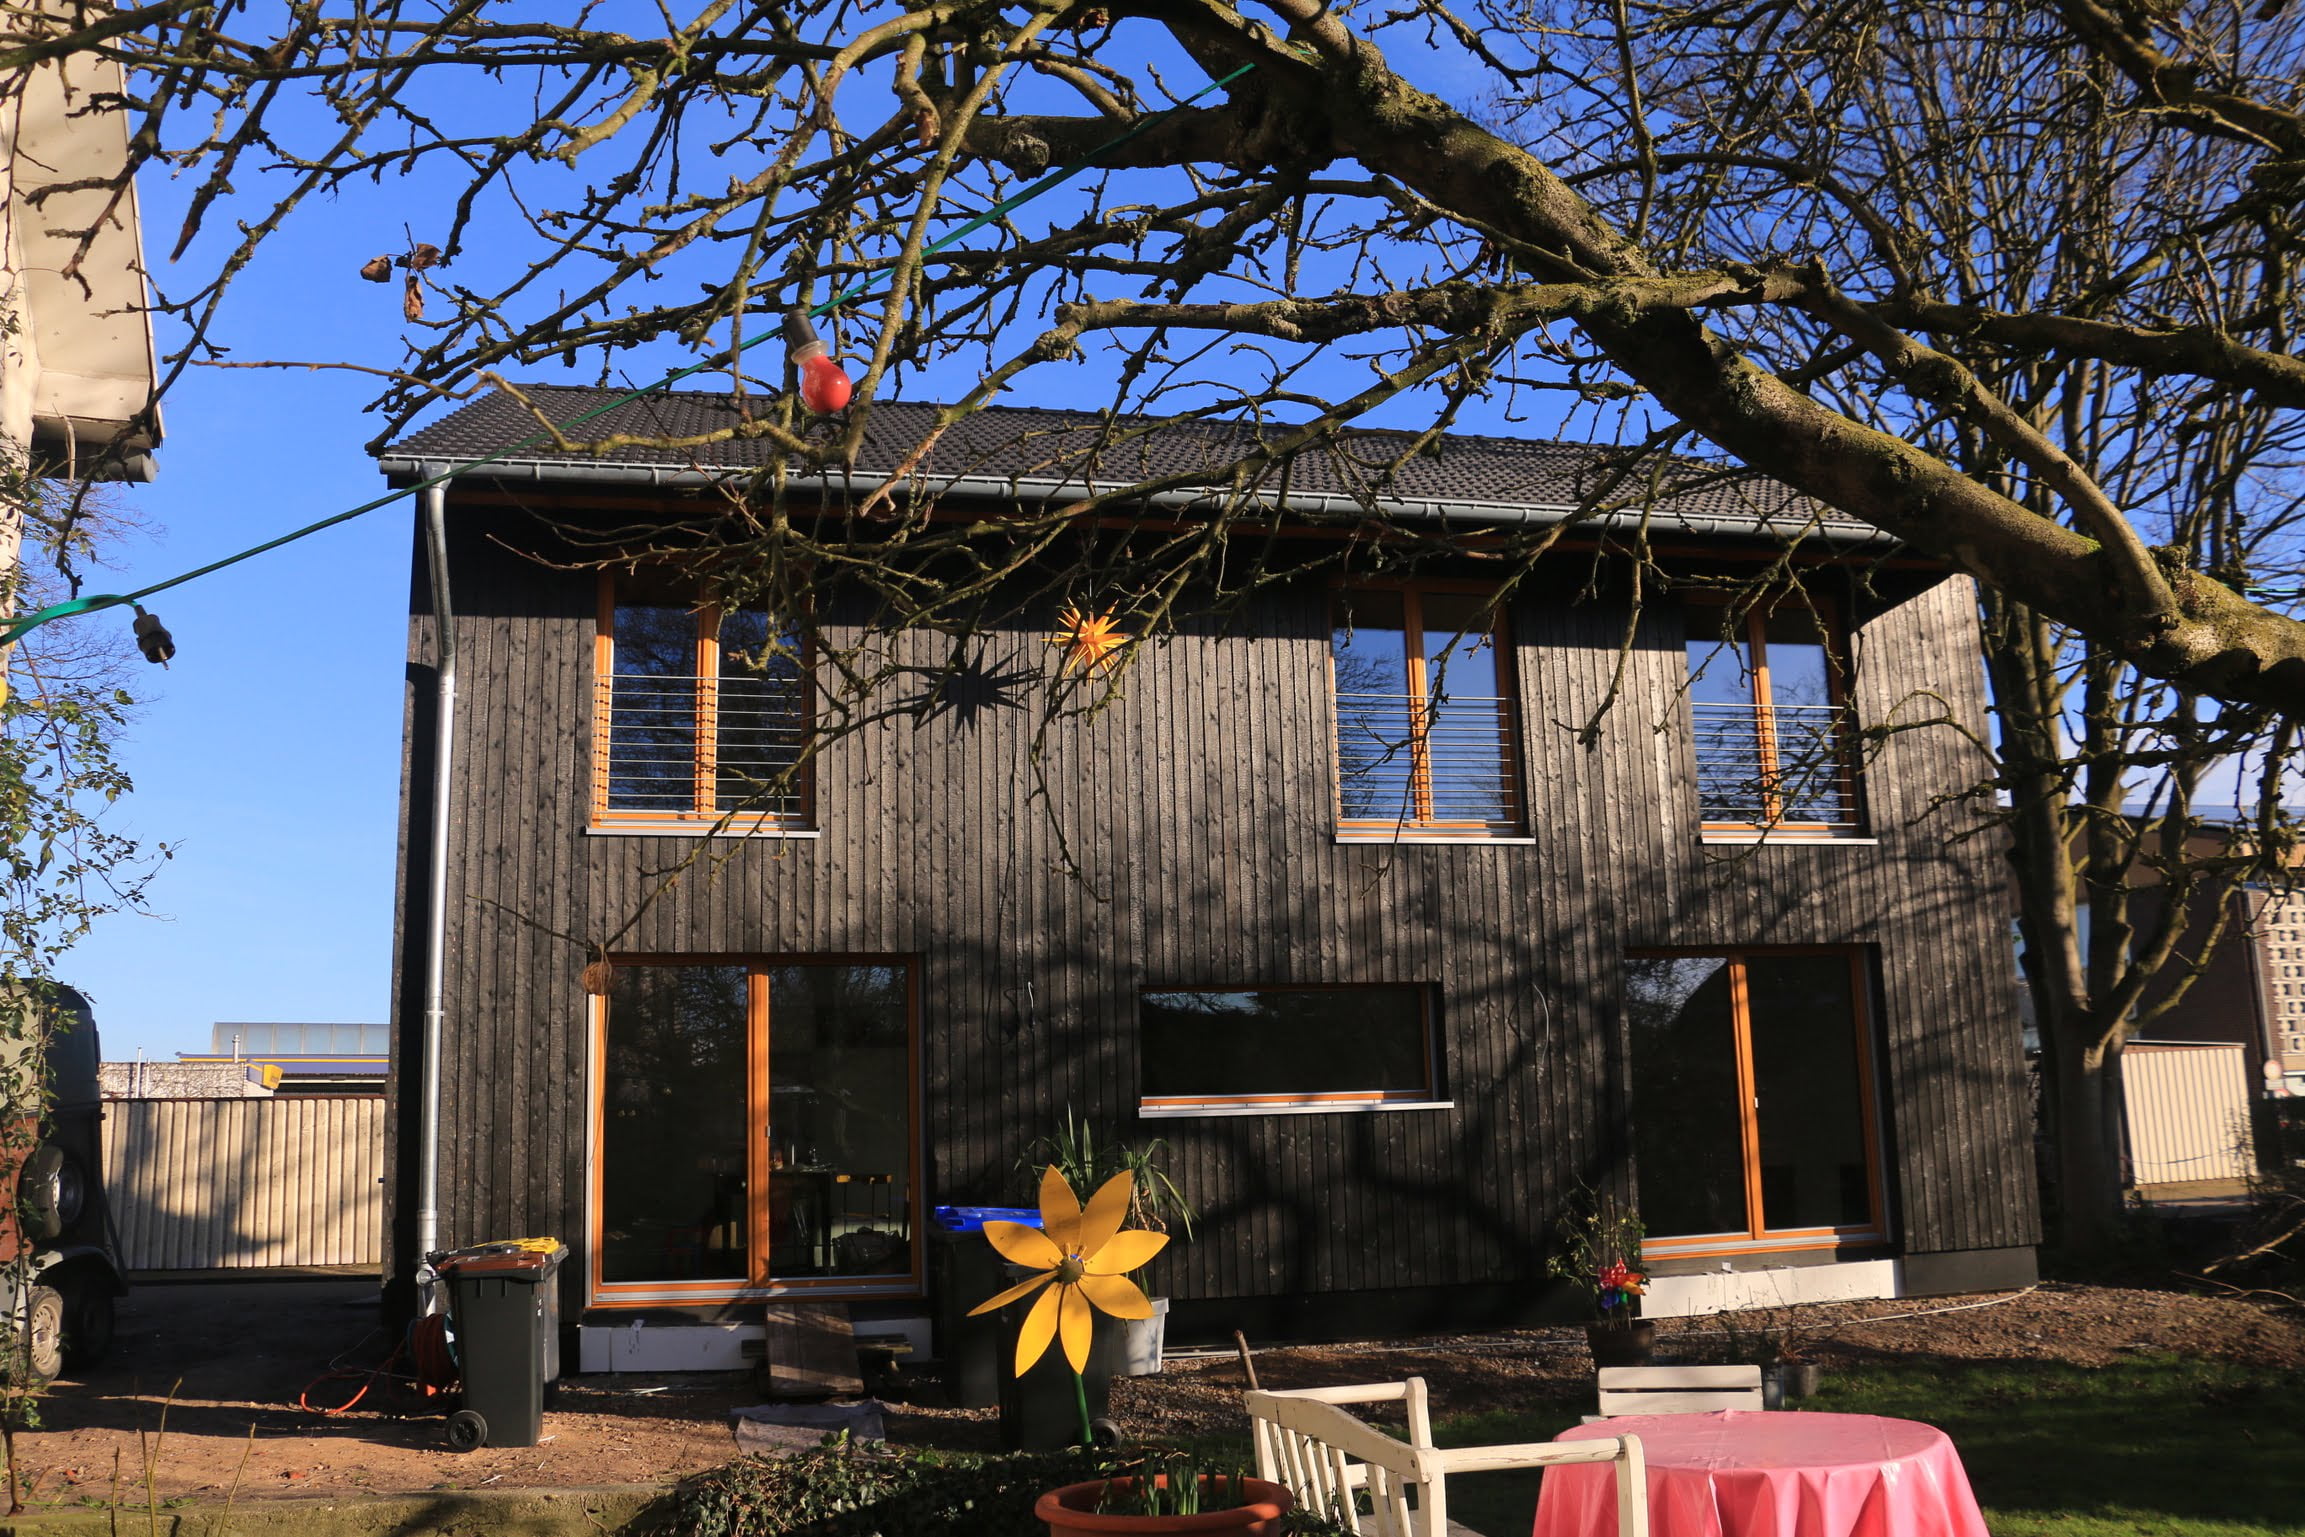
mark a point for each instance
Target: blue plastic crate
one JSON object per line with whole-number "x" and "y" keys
{"x": 971, "y": 1219}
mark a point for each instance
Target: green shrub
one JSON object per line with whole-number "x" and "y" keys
{"x": 841, "y": 1491}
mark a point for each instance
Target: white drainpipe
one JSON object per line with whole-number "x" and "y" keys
{"x": 436, "y": 908}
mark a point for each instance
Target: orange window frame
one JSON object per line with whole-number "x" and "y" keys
{"x": 1758, "y": 1237}
{"x": 1422, "y": 817}
{"x": 758, "y": 1168}
{"x": 705, "y": 779}
{"x": 1428, "y": 1028}
{"x": 1756, "y": 642}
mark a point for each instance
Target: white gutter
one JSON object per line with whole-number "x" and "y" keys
{"x": 1316, "y": 504}
{"x": 436, "y": 911}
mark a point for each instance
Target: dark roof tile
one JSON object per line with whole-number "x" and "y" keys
{"x": 1071, "y": 448}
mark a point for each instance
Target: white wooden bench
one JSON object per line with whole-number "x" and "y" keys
{"x": 1334, "y": 1463}
{"x": 1677, "y": 1389}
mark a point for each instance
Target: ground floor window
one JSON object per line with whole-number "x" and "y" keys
{"x": 755, "y": 1126}
{"x": 1244, "y": 1049}
{"x": 1754, "y": 1118}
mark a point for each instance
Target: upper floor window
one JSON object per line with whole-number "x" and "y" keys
{"x": 1426, "y": 727}
{"x": 699, "y": 713}
{"x": 1768, "y": 697}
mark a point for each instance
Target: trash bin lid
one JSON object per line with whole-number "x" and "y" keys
{"x": 971, "y": 1219}
{"x": 511, "y": 1256}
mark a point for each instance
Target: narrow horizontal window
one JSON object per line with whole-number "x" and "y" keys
{"x": 1287, "y": 1048}
{"x": 1426, "y": 725}
{"x": 699, "y": 714}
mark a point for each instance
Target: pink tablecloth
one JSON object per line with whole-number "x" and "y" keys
{"x": 1745, "y": 1474}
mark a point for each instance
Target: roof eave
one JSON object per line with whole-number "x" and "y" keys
{"x": 406, "y": 470}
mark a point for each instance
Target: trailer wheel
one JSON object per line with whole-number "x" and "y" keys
{"x": 43, "y": 1343}
{"x": 89, "y": 1320}
{"x": 467, "y": 1431}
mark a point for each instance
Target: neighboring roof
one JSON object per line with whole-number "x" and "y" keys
{"x": 268, "y": 1038}
{"x": 1010, "y": 450}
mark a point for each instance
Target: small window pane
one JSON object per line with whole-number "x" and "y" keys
{"x": 652, "y": 709}
{"x": 840, "y": 1121}
{"x": 673, "y": 1111}
{"x": 1468, "y": 727}
{"x": 1731, "y": 786}
{"x": 762, "y": 717}
{"x": 1287, "y": 1044}
{"x": 1375, "y": 758}
{"x": 1687, "y": 1135}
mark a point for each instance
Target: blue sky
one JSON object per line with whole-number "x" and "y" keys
{"x": 267, "y": 755}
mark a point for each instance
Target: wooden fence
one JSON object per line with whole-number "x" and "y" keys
{"x": 246, "y": 1184}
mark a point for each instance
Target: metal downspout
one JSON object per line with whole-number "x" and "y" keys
{"x": 436, "y": 902}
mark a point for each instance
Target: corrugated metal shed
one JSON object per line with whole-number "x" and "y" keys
{"x": 2188, "y": 1111}
{"x": 232, "y": 1184}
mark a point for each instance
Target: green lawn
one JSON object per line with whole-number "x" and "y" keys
{"x": 2157, "y": 1447}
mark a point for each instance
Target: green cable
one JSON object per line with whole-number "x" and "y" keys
{"x": 30, "y": 622}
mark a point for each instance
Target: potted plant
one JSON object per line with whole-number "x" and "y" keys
{"x": 1079, "y": 1259}
{"x": 1770, "y": 1339}
{"x": 1155, "y": 1203}
{"x": 1599, "y": 1252}
{"x": 1176, "y": 1497}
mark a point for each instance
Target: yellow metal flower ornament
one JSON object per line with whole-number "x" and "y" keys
{"x": 1082, "y": 1255}
{"x": 1092, "y": 642}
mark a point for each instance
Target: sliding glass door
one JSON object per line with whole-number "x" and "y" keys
{"x": 1754, "y": 1120}
{"x": 755, "y": 1127}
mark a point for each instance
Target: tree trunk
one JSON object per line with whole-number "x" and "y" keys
{"x": 2088, "y": 1141}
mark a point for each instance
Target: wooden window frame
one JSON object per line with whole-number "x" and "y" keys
{"x": 705, "y": 788}
{"x": 600, "y": 1293}
{"x": 1757, "y": 1238}
{"x": 1422, "y": 823}
{"x": 1837, "y": 677}
{"x": 1430, "y": 1096}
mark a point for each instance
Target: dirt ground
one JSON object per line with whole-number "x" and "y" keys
{"x": 224, "y": 1364}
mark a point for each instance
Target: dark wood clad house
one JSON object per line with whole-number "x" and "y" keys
{"x": 1355, "y": 921}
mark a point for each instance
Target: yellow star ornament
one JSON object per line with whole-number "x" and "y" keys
{"x": 1092, "y": 642}
{"x": 1082, "y": 1255}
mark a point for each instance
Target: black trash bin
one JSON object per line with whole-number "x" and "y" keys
{"x": 967, "y": 1271}
{"x": 504, "y": 1309}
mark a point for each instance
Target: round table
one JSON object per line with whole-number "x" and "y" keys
{"x": 1737, "y": 1473}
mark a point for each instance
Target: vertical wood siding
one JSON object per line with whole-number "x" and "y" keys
{"x": 1186, "y": 838}
{"x": 233, "y": 1184}
{"x": 2188, "y": 1112}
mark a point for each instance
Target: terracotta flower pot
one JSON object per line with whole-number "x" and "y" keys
{"x": 1072, "y": 1511}
{"x": 1632, "y": 1343}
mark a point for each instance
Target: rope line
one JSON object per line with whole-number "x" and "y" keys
{"x": 27, "y": 623}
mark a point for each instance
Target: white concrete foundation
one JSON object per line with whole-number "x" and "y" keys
{"x": 1722, "y": 1291}
{"x": 686, "y": 1347}
{"x": 708, "y": 1347}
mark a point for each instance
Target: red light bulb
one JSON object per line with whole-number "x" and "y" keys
{"x": 824, "y": 387}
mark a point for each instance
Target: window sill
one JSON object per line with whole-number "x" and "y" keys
{"x": 1365, "y": 1107}
{"x": 1801, "y": 838}
{"x": 701, "y": 830}
{"x": 1438, "y": 840}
